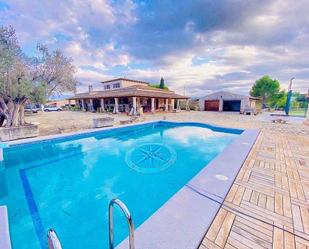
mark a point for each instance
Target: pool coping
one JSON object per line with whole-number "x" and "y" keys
{"x": 73, "y": 134}
{"x": 185, "y": 218}
{"x": 89, "y": 132}
{"x": 155, "y": 232}
{"x": 5, "y": 241}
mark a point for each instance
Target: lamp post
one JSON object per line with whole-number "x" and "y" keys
{"x": 291, "y": 81}
{"x": 288, "y": 98}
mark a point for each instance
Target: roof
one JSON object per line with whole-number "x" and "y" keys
{"x": 227, "y": 95}
{"x": 118, "y": 79}
{"x": 131, "y": 91}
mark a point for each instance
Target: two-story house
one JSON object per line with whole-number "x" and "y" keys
{"x": 130, "y": 96}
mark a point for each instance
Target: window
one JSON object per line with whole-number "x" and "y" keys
{"x": 106, "y": 87}
{"x": 116, "y": 85}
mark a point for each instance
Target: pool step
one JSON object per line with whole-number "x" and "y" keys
{"x": 5, "y": 240}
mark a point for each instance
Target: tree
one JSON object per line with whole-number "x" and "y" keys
{"x": 300, "y": 100}
{"x": 13, "y": 85}
{"x": 158, "y": 86}
{"x": 54, "y": 70}
{"x": 38, "y": 94}
{"x": 266, "y": 88}
{"x": 23, "y": 78}
{"x": 162, "y": 83}
{"x": 278, "y": 100}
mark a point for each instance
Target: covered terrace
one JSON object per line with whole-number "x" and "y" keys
{"x": 132, "y": 100}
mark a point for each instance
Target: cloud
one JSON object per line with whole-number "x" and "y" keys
{"x": 201, "y": 45}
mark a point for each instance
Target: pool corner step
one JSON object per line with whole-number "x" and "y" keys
{"x": 5, "y": 240}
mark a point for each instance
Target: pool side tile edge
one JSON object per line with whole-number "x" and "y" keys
{"x": 76, "y": 134}
{"x": 94, "y": 131}
{"x": 183, "y": 220}
{"x": 5, "y": 240}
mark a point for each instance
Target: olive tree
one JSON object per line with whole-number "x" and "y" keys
{"x": 13, "y": 84}
{"x": 23, "y": 78}
{"x": 54, "y": 70}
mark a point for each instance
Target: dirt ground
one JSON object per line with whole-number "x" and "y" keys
{"x": 69, "y": 121}
{"x": 66, "y": 121}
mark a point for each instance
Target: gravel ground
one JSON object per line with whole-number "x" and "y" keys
{"x": 68, "y": 121}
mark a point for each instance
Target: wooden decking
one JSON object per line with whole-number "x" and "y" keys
{"x": 268, "y": 204}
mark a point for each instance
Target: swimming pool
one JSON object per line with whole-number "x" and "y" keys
{"x": 67, "y": 183}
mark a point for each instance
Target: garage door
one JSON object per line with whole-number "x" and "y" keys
{"x": 231, "y": 105}
{"x": 211, "y": 105}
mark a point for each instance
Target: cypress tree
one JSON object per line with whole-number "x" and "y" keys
{"x": 162, "y": 83}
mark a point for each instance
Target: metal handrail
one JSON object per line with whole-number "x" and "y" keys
{"x": 53, "y": 241}
{"x": 125, "y": 210}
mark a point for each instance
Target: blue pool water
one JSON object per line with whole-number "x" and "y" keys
{"x": 66, "y": 184}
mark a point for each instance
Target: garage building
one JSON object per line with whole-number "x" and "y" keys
{"x": 226, "y": 101}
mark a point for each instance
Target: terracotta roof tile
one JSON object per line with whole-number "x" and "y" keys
{"x": 118, "y": 79}
{"x": 131, "y": 91}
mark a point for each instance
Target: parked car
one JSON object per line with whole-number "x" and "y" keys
{"x": 50, "y": 108}
{"x": 30, "y": 108}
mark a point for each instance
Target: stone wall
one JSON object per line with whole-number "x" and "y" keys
{"x": 13, "y": 133}
{"x": 103, "y": 122}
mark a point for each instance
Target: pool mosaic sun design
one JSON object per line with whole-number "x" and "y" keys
{"x": 151, "y": 158}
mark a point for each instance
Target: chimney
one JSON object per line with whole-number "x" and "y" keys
{"x": 90, "y": 88}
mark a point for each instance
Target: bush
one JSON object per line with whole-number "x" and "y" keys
{"x": 73, "y": 108}
{"x": 193, "y": 105}
{"x": 158, "y": 86}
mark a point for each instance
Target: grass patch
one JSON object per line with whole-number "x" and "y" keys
{"x": 301, "y": 113}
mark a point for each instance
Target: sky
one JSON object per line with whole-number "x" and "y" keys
{"x": 198, "y": 46}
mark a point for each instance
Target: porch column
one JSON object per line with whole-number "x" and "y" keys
{"x": 138, "y": 106}
{"x": 91, "y": 105}
{"x": 116, "y": 110}
{"x": 166, "y": 105}
{"x": 153, "y": 105}
{"x": 102, "y": 105}
{"x": 177, "y": 104}
{"x": 220, "y": 104}
{"x": 172, "y": 104}
{"x": 187, "y": 105}
{"x": 83, "y": 105}
{"x": 134, "y": 105}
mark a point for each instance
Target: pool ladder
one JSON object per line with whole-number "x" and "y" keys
{"x": 54, "y": 242}
{"x": 126, "y": 212}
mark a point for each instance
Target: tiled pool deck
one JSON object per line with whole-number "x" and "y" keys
{"x": 268, "y": 205}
